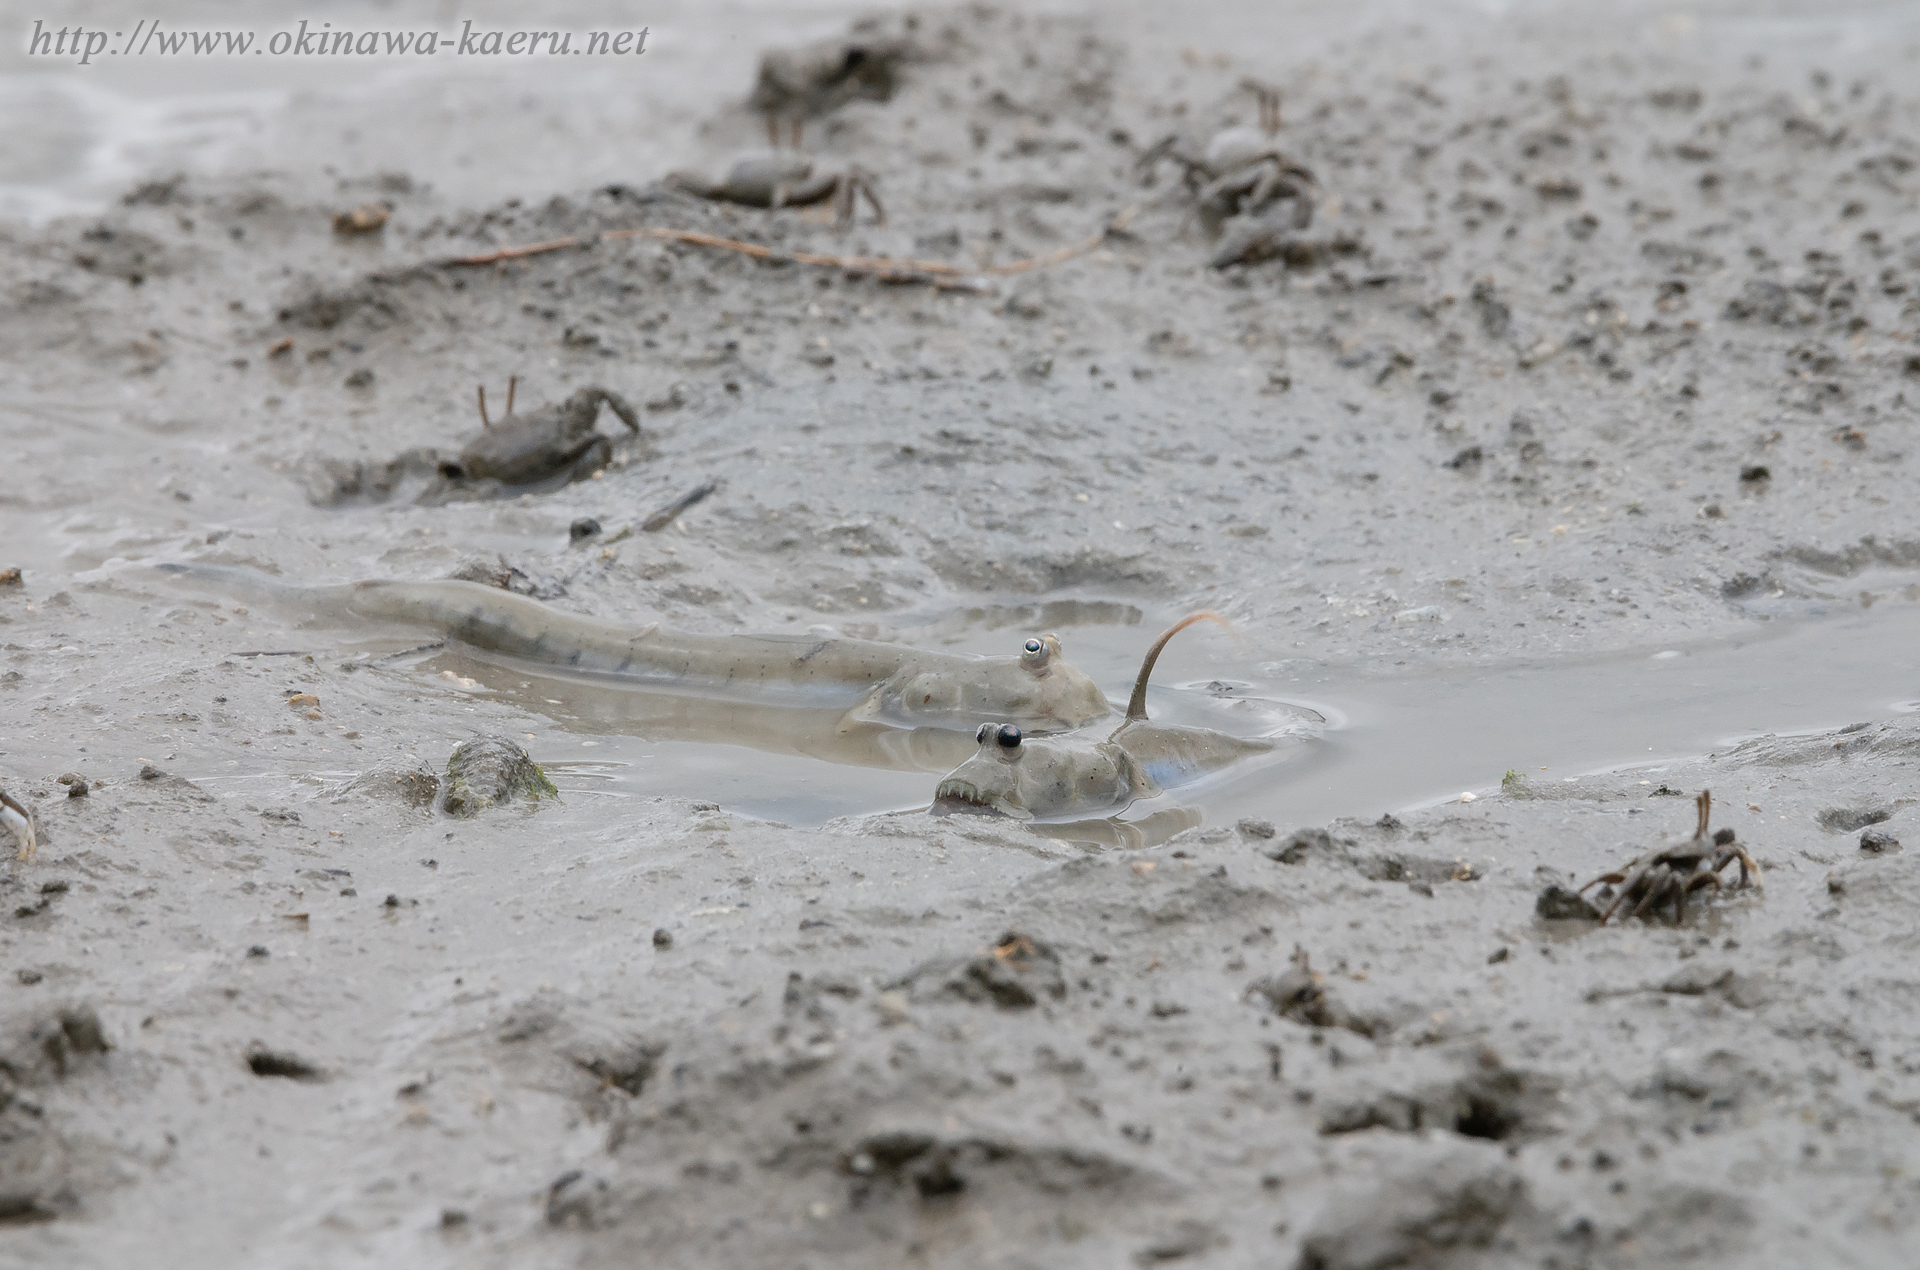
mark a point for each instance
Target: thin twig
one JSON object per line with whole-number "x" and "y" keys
{"x": 886, "y": 268}
{"x": 1080, "y": 248}
{"x": 671, "y": 512}
{"x": 514, "y": 253}
{"x": 934, "y": 273}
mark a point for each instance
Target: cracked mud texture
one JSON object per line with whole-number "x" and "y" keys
{"x": 1604, "y": 343}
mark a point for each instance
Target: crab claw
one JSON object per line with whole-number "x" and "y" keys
{"x": 17, "y": 818}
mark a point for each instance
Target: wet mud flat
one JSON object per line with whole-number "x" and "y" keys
{"x": 1602, "y": 346}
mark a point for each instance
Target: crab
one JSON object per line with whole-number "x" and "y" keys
{"x": 1677, "y": 869}
{"x": 15, "y": 816}
{"x": 1242, "y": 171}
{"x": 780, "y": 179}
{"x": 815, "y": 79}
{"x": 554, "y": 441}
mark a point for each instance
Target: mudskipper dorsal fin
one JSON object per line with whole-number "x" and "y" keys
{"x": 1137, "y": 704}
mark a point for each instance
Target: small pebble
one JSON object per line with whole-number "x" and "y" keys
{"x": 10, "y": 577}
{"x": 76, "y": 784}
{"x": 663, "y": 939}
{"x": 258, "y": 950}
{"x": 368, "y": 218}
{"x": 582, "y": 529}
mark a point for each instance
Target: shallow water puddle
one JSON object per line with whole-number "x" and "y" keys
{"x": 1392, "y": 741}
{"x": 1416, "y": 739}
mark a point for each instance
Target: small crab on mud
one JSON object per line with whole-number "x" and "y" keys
{"x": 805, "y": 83}
{"x": 1671, "y": 872}
{"x": 1242, "y": 172}
{"x": 15, "y": 816}
{"x": 555, "y": 441}
{"x": 780, "y": 179}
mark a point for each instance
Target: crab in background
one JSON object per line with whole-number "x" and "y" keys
{"x": 1241, "y": 171}
{"x": 551, "y": 441}
{"x": 785, "y": 179}
{"x": 795, "y": 85}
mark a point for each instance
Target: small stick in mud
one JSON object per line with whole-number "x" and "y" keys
{"x": 671, "y": 512}
{"x": 933, "y": 273}
{"x": 515, "y": 253}
{"x": 16, "y": 817}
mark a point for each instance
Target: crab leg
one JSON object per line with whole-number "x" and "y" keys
{"x": 16, "y": 817}
{"x": 1749, "y": 871}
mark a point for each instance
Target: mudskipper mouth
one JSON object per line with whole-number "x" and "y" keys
{"x": 956, "y": 795}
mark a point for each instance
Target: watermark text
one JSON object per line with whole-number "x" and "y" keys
{"x": 149, "y": 38}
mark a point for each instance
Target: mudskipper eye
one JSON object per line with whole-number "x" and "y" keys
{"x": 980, "y": 735}
{"x": 1034, "y": 646}
{"x": 1008, "y": 736}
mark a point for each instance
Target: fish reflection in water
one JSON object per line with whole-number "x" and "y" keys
{"x": 1126, "y": 835}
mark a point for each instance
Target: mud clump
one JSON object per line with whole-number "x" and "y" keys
{"x": 66, "y": 1038}
{"x": 936, "y": 1169}
{"x": 44, "y": 1169}
{"x": 262, "y": 1061}
{"x": 578, "y": 1198}
{"x": 1491, "y": 1101}
{"x": 1417, "y": 1215}
{"x": 1300, "y": 996}
{"x": 1299, "y": 846}
{"x": 554, "y": 1042}
{"x": 1878, "y": 842}
{"x": 406, "y": 782}
{"x": 490, "y": 771}
{"x": 1015, "y": 974}
{"x": 1558, "y": 904}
